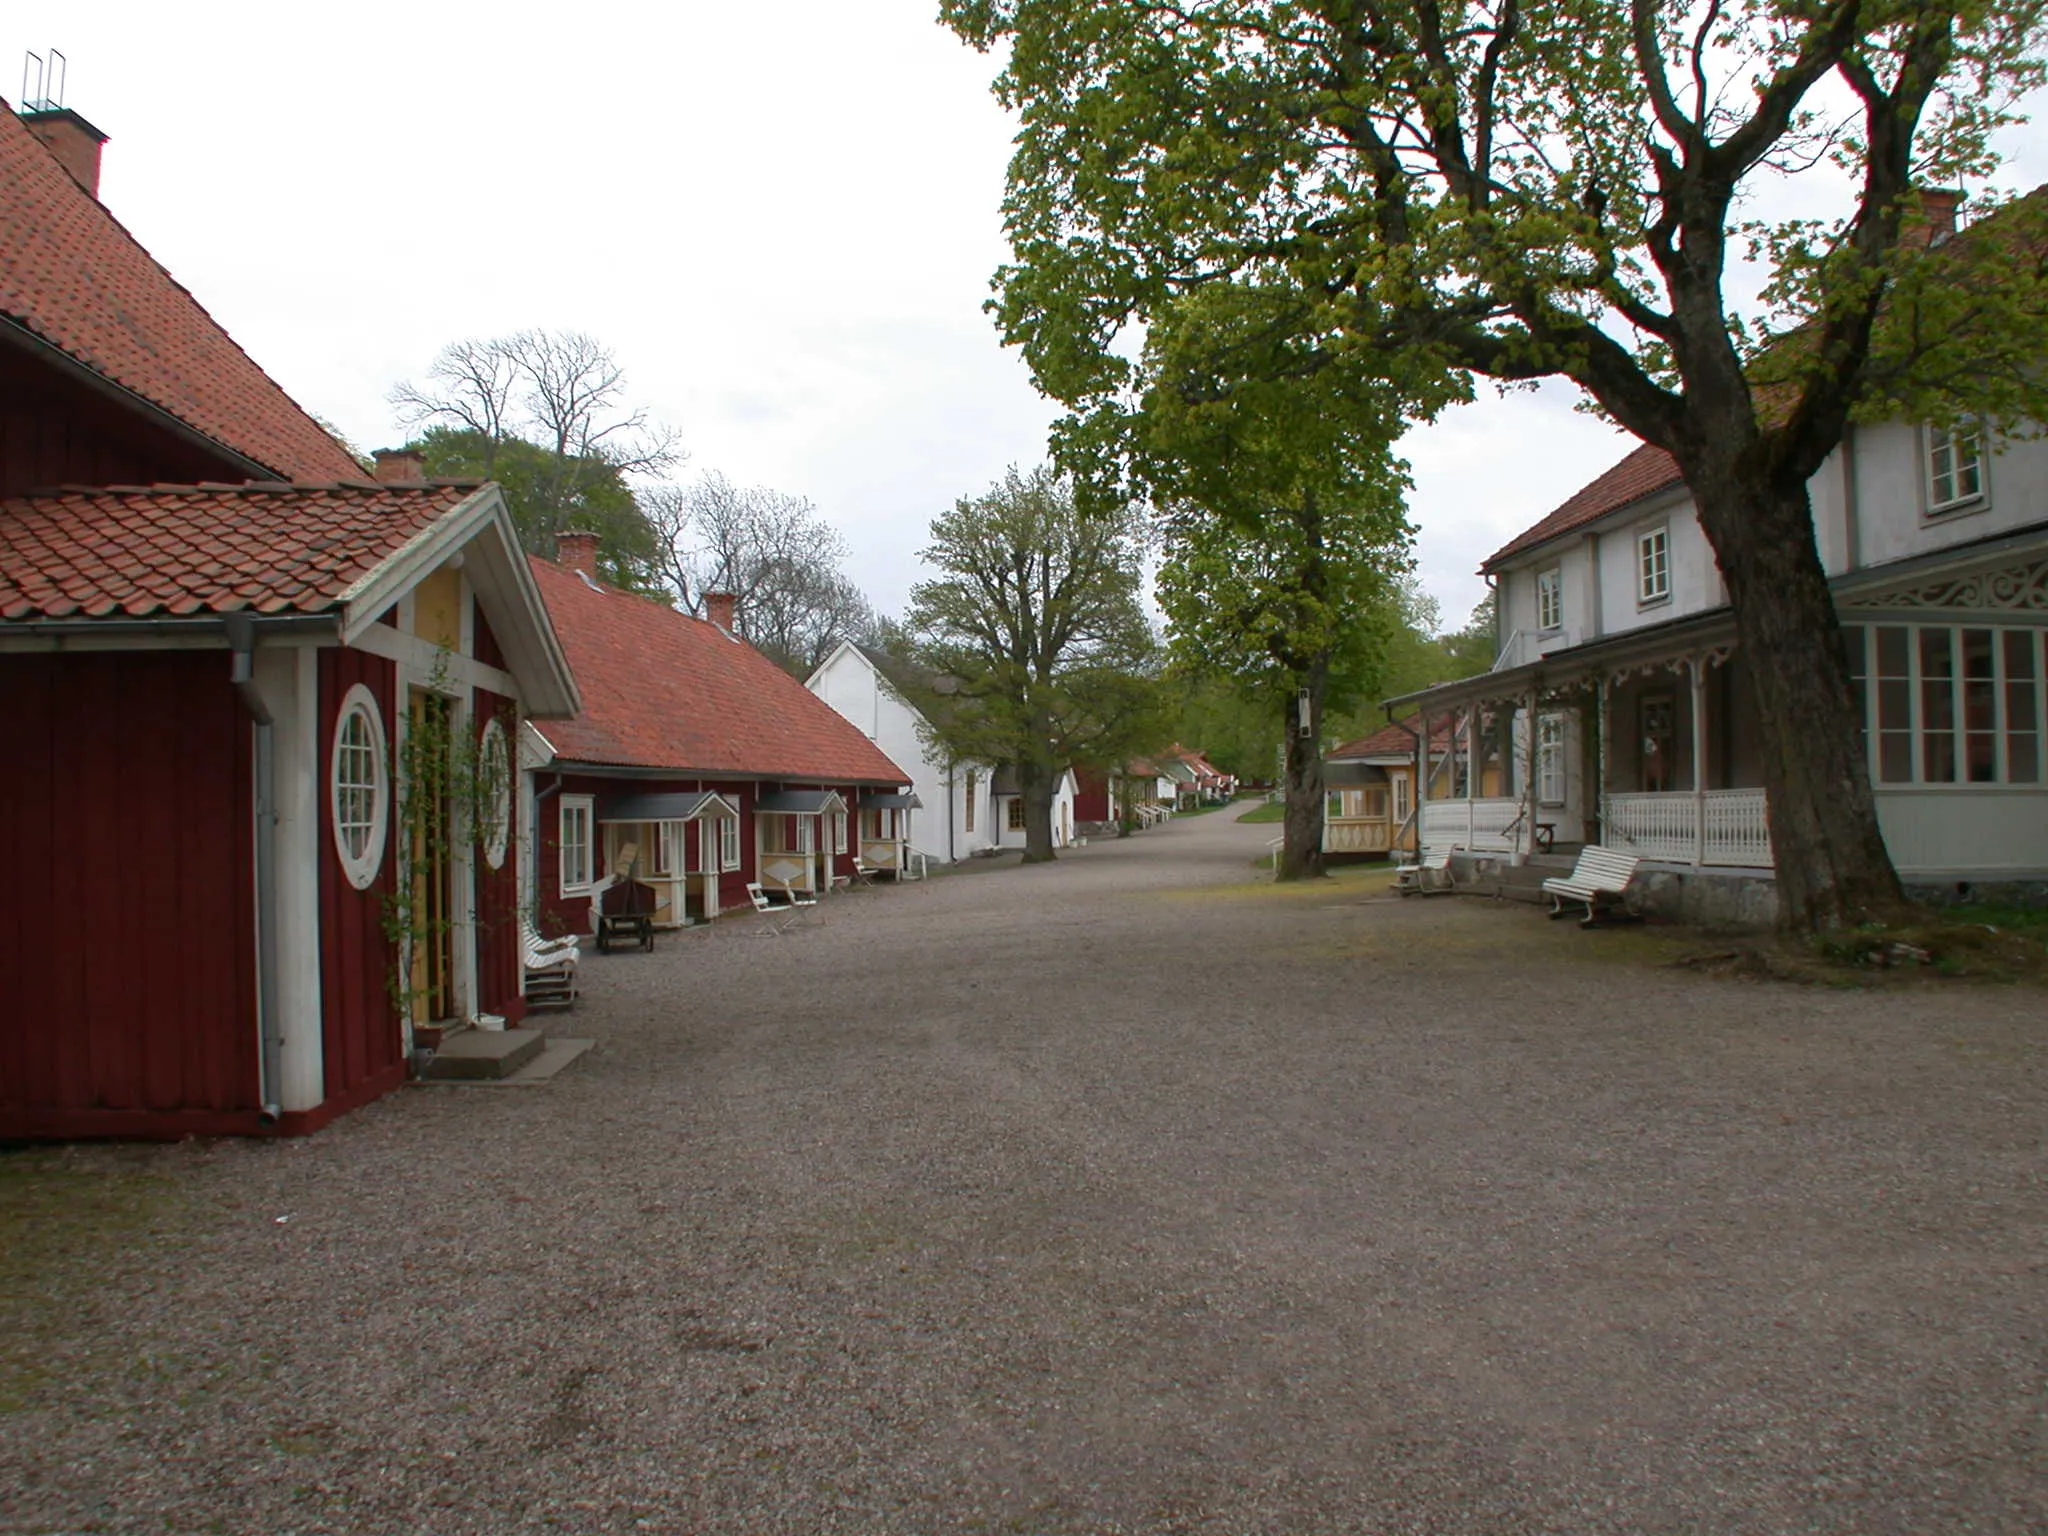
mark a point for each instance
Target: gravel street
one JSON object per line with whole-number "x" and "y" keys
{"x": 1121, "y": 1195}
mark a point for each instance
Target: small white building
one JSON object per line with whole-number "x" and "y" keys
{"x": 957, "y": 815}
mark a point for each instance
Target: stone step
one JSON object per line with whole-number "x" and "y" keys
{"x": 485, "y": 1054}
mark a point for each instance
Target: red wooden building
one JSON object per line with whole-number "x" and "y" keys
{"x": 216, "y": 634}
{"x": 697, "y": 764}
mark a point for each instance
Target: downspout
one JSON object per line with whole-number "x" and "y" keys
{"x": 241, "y": 632}
{"x": 952, "y": 774}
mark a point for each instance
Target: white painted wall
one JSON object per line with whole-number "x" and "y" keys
{"x": 1869, "y": 509}
{"x": 849, "y": 683}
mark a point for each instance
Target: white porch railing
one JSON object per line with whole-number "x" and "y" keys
{"x": 1478, "y": 825}
{"x": 1357, "y": 834}
{"x": 1727, "y": 827}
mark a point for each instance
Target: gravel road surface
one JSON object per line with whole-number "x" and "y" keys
{"x": 1120, "y": 1195}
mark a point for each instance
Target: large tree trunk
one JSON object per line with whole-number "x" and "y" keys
{"x": 1832, "y": 866}
{"x": 1037, "y": 783}
{"x": 1301, "y": 854}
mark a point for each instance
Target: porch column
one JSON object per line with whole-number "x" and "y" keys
{"x": 1421, "y": 775}
{"x": 1600, "y": 729}
{"x": 1529, "y": 775}
{"x": 1698, "y": 668}
{"x": 1471, "y": 772}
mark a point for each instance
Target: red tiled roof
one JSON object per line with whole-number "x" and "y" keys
{"x": 1396, "y": 740}
{"x": 663, "y": 690}
{"x": 1645, "y": 471}
{"x": 71, "y": 275}
{"x": 173, "y": 550}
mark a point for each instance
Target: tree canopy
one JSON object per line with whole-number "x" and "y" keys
{"x": 780, "y": 560}
{"x": 1523, "y": 188}
{"x": 1035, "y": 626}
{"x": 544, "y": 414}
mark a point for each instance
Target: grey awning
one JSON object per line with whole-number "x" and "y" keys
{"x": 1348, "y": 774}
{"x": 670, "y": 807}
{"x": 799, "y": 802}
{"x": 1005, "y": 781}
{"x": 894, "y": 801}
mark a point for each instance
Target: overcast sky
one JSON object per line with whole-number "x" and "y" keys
{"x": 783, "y": 218}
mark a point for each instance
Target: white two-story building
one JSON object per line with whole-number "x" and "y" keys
{"x": 1619, "y": 712}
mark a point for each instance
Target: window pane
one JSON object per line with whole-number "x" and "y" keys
{"x": 2023, "y": 759}
{"x": 1895, "y": 757}
{"x": 1891, "y": 651}
{"x": 1938, "y": 757}
{"x": 1895, "y": 705}
{"x": 1977, "y": 653}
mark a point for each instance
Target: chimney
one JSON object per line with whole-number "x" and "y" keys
{"x": 578, "y": 551}
{"x": 74, "y": 141}
{"x": 1938, "y": 212}
{"x": 720, "y": 608}
{"x": 400, "y": 466}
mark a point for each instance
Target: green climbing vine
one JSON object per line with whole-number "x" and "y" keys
{"x": 453, "y": 788}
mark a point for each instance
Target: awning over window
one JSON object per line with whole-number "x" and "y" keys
{"x": 895, "y": 801}
{"x": 1349, "y": 775}
{"x": 1006, "y": 781}
{"x": 799, "y": 802}
{"x": 671, "y": 807}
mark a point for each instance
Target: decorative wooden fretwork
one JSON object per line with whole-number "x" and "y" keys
{"x": 2016, "y": 588}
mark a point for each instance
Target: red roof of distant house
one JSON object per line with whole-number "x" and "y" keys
{"x": 1397, "y": 739}
{"x": 1642, "y": 473}
{"x": 664, "y": 690}
{"x": 72, "y": 276}
{"x": 173, "y": 550}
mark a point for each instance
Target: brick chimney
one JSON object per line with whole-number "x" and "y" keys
{"x": 721, "y": 608}
{"x": 1938, "y": 208}
{"x": 400, "y": 466}
{"x": 577, "y": 550}
{"x": 74, "y": 141}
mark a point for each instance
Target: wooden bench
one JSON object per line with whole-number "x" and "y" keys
{"x": 1598, "y": 882}
{"x": 1427, "y": 876}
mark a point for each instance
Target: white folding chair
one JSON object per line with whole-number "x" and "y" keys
{"x": 775, "y": 916}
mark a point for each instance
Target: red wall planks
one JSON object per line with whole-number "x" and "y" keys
{"x": 360, "y": 1032}
{"x": 127, "y": 783}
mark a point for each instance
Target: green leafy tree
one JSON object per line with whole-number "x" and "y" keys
{"x": 544, "y": 414}
{"x": 1035, "y": 628}
{"x": 1525, "y": 188}
{"x": 628, "y": 551}
{"x": 1296, "y": 611}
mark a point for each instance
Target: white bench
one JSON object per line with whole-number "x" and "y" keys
{"x": 1427, "y": 875}
{"x": 1598, "y": 882}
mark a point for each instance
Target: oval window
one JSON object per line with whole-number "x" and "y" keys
{"x": 494, "y": 794}
{"x": 360, "y": 787}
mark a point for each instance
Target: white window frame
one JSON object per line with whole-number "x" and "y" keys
{"x": 1550, "y": 762}
{"x": 839, "y": 831}
{"x": 1400, "y": 800}
{"x": 586, "y": 808}
{"x": 1550, "y": 599}
{"x": 728, "y": 843}
{"x": 494, "y": 753}
{"x": 1956, "y": 475}
{"x": 361, "y": 865}
{"x": 1653, "y": 565}
{"x": 1950, "y": 691}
